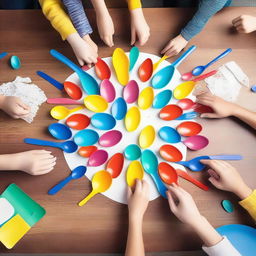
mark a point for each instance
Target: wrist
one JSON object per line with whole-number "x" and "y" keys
{"x": 243, "y": 192}
{"x": 182, "y": 38}
{"x": 9, "y": 162}
{"x": 135, "y": 219}
{"x": 198, "y": 223}
{"x": 2, "y": 98}
{"x": 136, "y": 13}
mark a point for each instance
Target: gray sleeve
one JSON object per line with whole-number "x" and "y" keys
{"x": 206, "y": 9}
{"x": 77, "y": 15}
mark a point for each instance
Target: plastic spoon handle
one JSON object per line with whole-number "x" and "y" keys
{"x": 51, "y": 80}
{"x": 219, "y": 57}
{"x": 159, "y": 184}
{"x": 177, "y": 62}
{"x": 43, "y": 142}
{"x": 3, "y": 54}
{"x": 60, "y": 185}
{"x": 188, "y": 116}
{"x": 187, "y": 177}
{"x": 226, "y": 157}
{"x": 202, "y": 77}
{"x": 155, "y": 65}
{"x": 64, "y": 101}
{"x": 76, "y": 109}
{"x": 184, "y": 163}
{"x": 65, "y": 60}
{"x": 86, "y": 199}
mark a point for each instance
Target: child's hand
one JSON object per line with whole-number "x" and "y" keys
{"x": 139, "y": 27}
{"x": 84, "y": 52}
{"x": 138, "y": 200}
{"x": 183, "y": 205}
{"x": 35, "y": 162}
{"x": 174, "y": 46}
{"x": 245, "y": 23}
{"x": 220, "y": 107}
{"x": 88, "y": 39}
{"x": 225, "y": 177}
{"x": 14, "y": 106}
{"x": 106, "y": 28}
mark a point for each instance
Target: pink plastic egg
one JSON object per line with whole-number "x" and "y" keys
{"x": 131, "y": 92}
{"x": 107, "y": 90}
{"x": 110, "y": 139}
{"x": 196, "y": 142}
{"x": 98, "y": 158}
{"x": 186, "y": 103}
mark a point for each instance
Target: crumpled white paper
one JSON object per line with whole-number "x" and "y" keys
{"x": 28, "y": 92}
{"x": 226, "y": 83}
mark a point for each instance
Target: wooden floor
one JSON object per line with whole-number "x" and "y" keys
{"x": 101, "y": 226}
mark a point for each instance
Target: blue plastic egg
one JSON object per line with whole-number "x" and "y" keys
{"x": 169, "y": 134}
{"x": 86, "y": 137}
{"x": 162, "y": 99}
{"x": 119, "y": 109}
{"x": 103, "y": 121}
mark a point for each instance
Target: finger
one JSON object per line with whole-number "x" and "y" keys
{"x": 45, "y": 171}
{"x": 236, "y": 19}
{"x": 39, "y": 151}
{"x": 129, "y": 193}
{"x": 209, "y": 115}
{"x": 143, "y": 40}
{"x": 145, "y": 186}
{"x": 23, "y": 105}
{"x": 214, "y": 182}
{"x": 238, "y": 23}
{"x": 81, "y": 62}
{"x": 133, "y": 37}
{"x": 213, "y": 174}
{"x": 171, "y": 202}
{"x": 138, "y": 186}
{"x": 167, "y": 47}
{"x": 241, "y": 29}
{"x": 176, "y": 191}
{"x": 214, "y": 164}
{"x": 22, "y": 112}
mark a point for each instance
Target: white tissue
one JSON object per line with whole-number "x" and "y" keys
{"x": 29, "y": 93}
{"x": 226, "y": 83}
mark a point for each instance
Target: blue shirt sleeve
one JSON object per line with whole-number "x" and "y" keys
{"x": 206, "y": 9}
{"x": 77, "y": 14}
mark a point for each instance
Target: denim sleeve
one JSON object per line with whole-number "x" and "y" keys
{"x": 77, "y": 14}
{"x": 206, "y": 9}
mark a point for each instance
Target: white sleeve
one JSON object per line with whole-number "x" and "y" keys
{"x": 223, "y": 248}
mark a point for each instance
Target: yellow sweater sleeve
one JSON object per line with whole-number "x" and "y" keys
{"x": 249, "y": 204}
{"x": 134, "y": 4}
{"x": 54, "y": 12}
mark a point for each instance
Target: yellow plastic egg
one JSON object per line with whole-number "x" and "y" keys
{"x": 134, "y": 171}
{"x": 147, "y": 136}
{"x": 183, "y": 90}
{"x": 132, "y": 119}
{"x": 146, "y": 98}
{"x": 95, "y": 103}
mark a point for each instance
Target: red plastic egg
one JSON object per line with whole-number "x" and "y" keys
{"x": 189, "y": 128}
{"x": 145, "y": 70}
{"x": 73, "y": 90}
{"x": 87, "y": 151}
{"x": 170, "y": 153}
{"x": 78, "y": 121}
{"x": 102, "y": 69}
{"x": 170, "y": 112}
{"x": 167, "y": 173}
{"x": 115, "y": 165}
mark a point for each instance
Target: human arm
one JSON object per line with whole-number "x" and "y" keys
{"x": 14, "y": 106}
{"x": 225, "y": 177}
{"x": 137, "y": 204}
{"x": 245, "y": 23}
{"x": 206, "y": 9}
{"x": 34, "y": 162}
{"x": 184, "y": 208}
{"x": 224, "y": 108}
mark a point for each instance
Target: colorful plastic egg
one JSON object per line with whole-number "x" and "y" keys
{"x": 119, "y": 109}
{"x": 110, "y": 139}
{"x": 132, "y": 152}
{"x": 86, "y": 137}
{"x": 170, "y": 153}
{"x": 107, "y": 90}
{"x": 134, "y": 171}
{"x": 170, "y": 112}
{"x": 78, "y": 121}
{"x": 146, "y": 98}
{"x": 145, "y": 70}
{"x": 132, "y": 119}
{"x": 169, "y": 134}
{"x": 131, "y": 92}
{"x": 98, "y": 158}
{"x": 196, "y": 142}
{"x": 167, "y": 173}
{"x": 95, "y": 103}
{"x": 147, "y": 136}
{"x": 86, "y": 151}
{"x": 189, "y": 128}
{"x": 115, "y": 165}
{"x": 162, "y": 99}
{"x": 73, "y": 90}
{"x": 186, "y": 103}
{"x": 102, "y": 70}
{"x": 103, "y": 121}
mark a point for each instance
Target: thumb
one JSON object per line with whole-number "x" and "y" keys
{"x": 209, "y": 115}
{"x": 215, "y": 182}
{"x": 23, "y": 105}
{"x": 129, "y": 192}
{"x": 133, "y": 37}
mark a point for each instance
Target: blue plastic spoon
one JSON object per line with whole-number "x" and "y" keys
{"x": 77, "y": 173}
{"x": 51, "y": 80}
{"x": 133, "y": 56}
{"x": 164, "y": 75}
{"x": 15, "y": 62}
{"x": 60, "y": 131}
{"x": 196, "y": 166}
{"x": 67, "y": 146}
{"x": 197, "y": 71}
{"x": 89, "y": 84}
{"x": 150, "y": 164}
{"x": 3, "y": 54}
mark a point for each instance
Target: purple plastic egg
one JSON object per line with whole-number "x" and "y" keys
{"x": 110, "y": 139}
{"x": 98, "y": 158}
{"x": 107, "y": 90}
{"x": 131, "y": 92}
